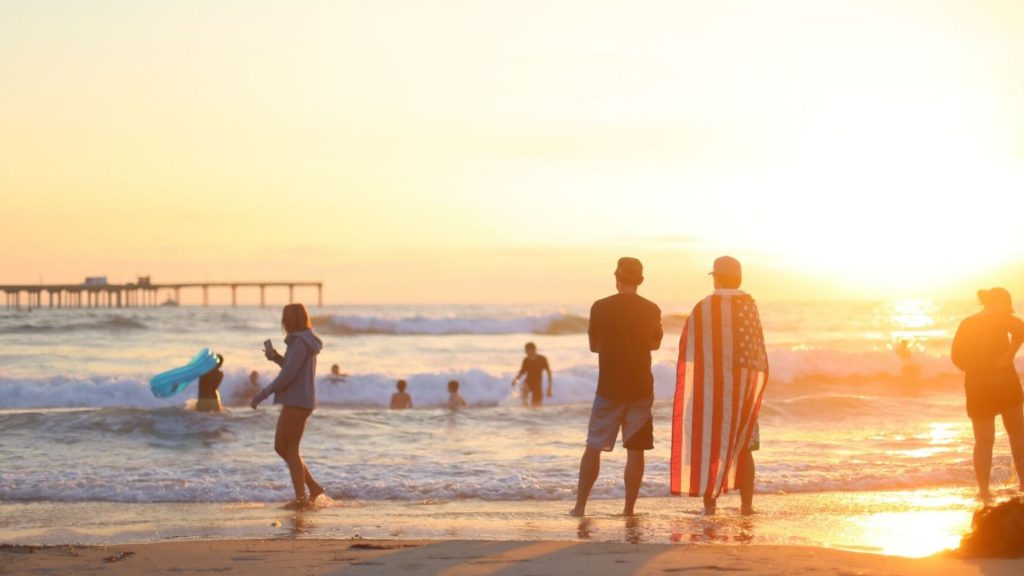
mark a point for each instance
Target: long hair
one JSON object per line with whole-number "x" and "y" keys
{"x": 294, "y": 317}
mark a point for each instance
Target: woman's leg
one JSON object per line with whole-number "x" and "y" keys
{"x": 984, "y": 438}
{"x": 290, "y": 426}
{"x": 1013, "y": 421}
{"x": 315, "y": 489}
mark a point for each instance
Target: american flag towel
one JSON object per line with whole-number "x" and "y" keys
{"x": 720, "y": 378}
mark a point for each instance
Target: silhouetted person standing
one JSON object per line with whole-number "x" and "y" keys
{"x": 984, "y": 347}
{"x": 720, "y": 379}
{"x": 624, "y": 329}
{"x": 295, "y": 389}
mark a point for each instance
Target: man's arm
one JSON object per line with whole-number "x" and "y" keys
{"x": 659, "y": 333}
{"x": 522, "y": 370}
{"x": 550, "y": 378}
{"x": 958, "y": 352}
{"x": 592, "y": 332}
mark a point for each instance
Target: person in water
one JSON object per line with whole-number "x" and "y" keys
{"x": 534, "y": 366}
{"x": 336, "y": 374}
{"x": 984, "y": 347}
{"x": 252, "y": 387}
{"x": 400, "y": 400}
{"x": 455, "y": 400}
{"x": 909, "y": 370}
{"x": 209, "y": 389}
{"x": 295, "y": 389}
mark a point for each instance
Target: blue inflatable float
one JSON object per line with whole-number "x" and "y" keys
{"x": 171, "y": 382}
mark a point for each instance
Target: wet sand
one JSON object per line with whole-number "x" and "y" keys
{"x": 474, "y": 558}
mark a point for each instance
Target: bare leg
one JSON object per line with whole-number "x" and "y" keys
{"x": 590, "y": 467}
{"x": 746, "y": 481}
{"x": 984, "y": 438}
{"x": 633, "y": 477}
{"x": 315, "y": 489}
{"x": 1013, "y": 421}
{"x": 290, "y": 426}
{"x": 710, "y": 505}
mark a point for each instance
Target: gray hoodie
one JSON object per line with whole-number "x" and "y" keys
{"x": 296, "y": 384}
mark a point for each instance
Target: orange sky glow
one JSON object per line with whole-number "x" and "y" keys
{"x": 484, "y": 152}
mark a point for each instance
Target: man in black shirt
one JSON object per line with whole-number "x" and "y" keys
{"x": 624, "y": 329}
{"x": 534, "y": 366}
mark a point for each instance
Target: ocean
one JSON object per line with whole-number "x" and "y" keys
{"x": 848, "y": 423}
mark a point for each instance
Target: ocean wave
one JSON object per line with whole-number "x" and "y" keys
{"x": 792, "y": 374}
{"x": 111, "y": 323}
{"x": 552, "y": 324}
{"x": 549, "y": 324}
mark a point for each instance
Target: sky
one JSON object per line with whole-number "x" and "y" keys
{"x": 510, "y": 152}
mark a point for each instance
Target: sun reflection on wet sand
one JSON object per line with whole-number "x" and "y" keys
{"x": 917, "y": 524}
{"x": 913, "y": 534}
{"x": 910, "y": 523}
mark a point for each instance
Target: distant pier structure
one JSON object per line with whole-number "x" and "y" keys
{"x": 96, "y": 292}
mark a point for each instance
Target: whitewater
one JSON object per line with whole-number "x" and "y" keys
{"x": 79, "y": 424}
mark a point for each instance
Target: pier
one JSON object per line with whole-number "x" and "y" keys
{"x": 93, "y": 294}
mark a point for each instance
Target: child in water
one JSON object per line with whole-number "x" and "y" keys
{"x": 209, "y": 389}
{"x": 337, "y": 375}
{"x": 455, "y": 400}
{"x": 243, "y": 396}
{"x": 400, "y": 400}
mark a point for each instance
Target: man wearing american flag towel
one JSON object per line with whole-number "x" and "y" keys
{"x": 720, "y": 379}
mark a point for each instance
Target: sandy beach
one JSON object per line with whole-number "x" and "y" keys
{"x": 473, "y": 558}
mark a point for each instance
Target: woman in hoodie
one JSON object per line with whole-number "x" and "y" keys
{"x": 294, "y": 388}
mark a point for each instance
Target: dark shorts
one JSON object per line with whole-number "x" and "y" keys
{"x": 634, "y": 417}
{"x": 993, "y": 398}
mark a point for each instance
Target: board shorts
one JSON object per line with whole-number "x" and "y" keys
{"x": 993, "y": 398}
{"x": 634, "y": 417}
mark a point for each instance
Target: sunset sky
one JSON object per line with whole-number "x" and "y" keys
{"x": 473, "y": 151}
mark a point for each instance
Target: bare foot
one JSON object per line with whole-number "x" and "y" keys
{"x": 315, "y": 493}
{"x": 577, "y": 512}
{"x": 299, "y": 504}
{"x": 710, "y": 506}
{"x": 747, "y": 510}
{"x": 984, "y": 497}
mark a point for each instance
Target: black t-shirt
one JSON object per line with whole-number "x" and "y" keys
{"x": 534, "y": 369}
{"x": 625, "y": 328}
